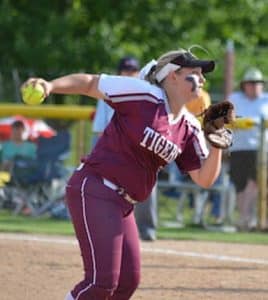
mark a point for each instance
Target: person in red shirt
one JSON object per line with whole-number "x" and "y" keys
{"x": 149, "y": 129}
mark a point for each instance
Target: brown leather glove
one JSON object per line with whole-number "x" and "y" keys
{"x": 215, "y": 118}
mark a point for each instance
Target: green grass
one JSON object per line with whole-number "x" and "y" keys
{"x": 195, "y": 234}
{"x": 45, "y": 225}
{"x": 167, "y": 212}
{"x": 41, "y": 225}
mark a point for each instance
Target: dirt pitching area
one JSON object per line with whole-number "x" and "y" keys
{"x": 45, "y": 268}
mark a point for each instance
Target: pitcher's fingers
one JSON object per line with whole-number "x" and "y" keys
{"x": 45, "y": 84}
{"x": 28, "y": 82}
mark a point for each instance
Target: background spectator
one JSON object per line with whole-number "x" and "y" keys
{"x": 251, "y": 101}
{"x": 127, "y": 66}
{"x": 16, "y": 146}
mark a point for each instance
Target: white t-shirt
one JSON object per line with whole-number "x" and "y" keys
{"x": 247, "y": 108}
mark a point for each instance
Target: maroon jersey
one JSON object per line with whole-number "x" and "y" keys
{"x": 140, "y": 139}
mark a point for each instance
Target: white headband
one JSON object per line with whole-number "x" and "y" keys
{"x": 162, "y": 73}
{"x": 147, "y": 68}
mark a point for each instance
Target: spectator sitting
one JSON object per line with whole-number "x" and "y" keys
{"x": 16, "y": 146}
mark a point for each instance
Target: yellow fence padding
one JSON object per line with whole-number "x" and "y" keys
{"x": 67, "y": 112}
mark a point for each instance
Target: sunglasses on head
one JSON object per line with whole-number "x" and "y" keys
{"x": 183, "y": 59}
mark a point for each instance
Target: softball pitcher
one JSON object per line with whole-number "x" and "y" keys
{"x": 150, "y": 128}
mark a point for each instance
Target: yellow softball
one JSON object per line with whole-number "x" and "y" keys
{"x": 33, "y": 95}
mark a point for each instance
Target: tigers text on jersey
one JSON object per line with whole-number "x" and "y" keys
{"x": 140, "y": 139}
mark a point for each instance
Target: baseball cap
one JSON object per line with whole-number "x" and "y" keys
{"x": 128, "y": 63}
{"x": 188, "y": 60}
{"x": 253, "y": 75}
{"x": 182, "y": 58}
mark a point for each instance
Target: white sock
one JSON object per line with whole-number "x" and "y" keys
{"x": 69, "y": 297}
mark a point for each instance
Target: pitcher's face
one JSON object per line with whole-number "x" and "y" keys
{"x": 189, "y": 82}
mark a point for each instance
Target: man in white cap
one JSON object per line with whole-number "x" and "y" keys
{"x": 252, "y": 102}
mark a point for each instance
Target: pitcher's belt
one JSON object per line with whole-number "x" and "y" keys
{"x": 119, "y": 190}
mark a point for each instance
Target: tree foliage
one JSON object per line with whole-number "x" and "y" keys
{"x": 59, "y": 36}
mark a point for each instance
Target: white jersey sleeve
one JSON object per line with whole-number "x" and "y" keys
{"x": 123, "y": 88}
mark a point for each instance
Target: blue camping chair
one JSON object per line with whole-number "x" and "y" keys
{"x": 40, "y": 183}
